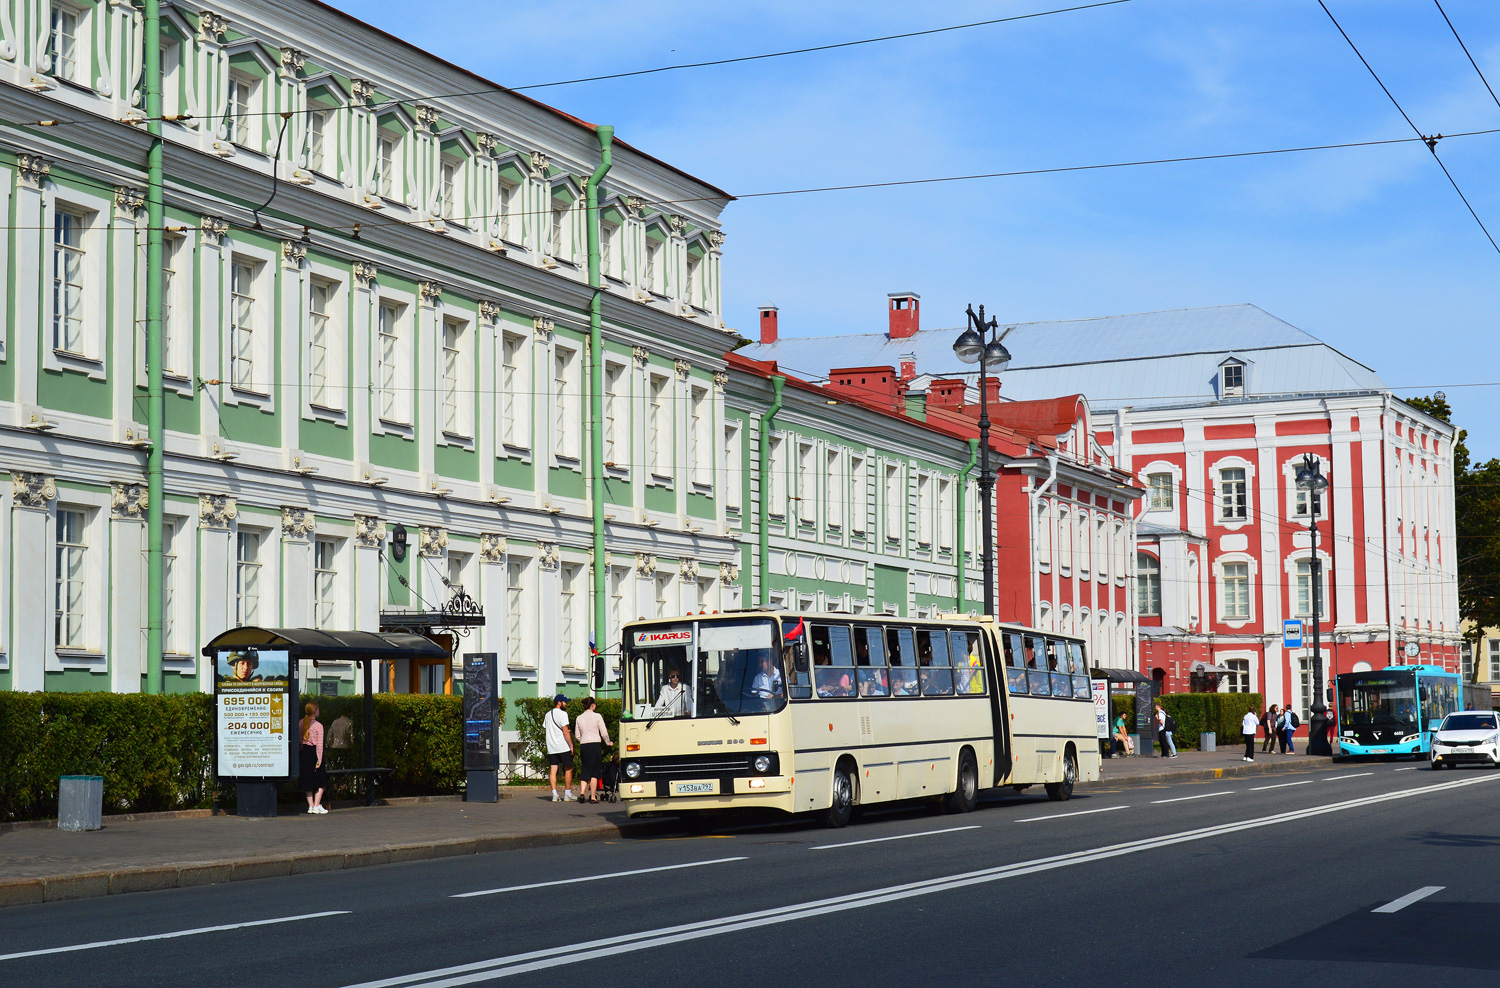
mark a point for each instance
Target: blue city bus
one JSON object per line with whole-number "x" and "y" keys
{"x": 1394, "y": 711}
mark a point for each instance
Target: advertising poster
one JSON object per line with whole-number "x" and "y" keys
{"x": 480, "y": 753}
{"x": 1101, "y": 706}
{"x": 257, "y": 714}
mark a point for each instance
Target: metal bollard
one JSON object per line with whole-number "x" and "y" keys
{"x": 80, "y": 802}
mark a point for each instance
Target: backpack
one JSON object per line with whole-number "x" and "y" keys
{"x": 1171, "y": 725}
{"x": 1296, "y": 721}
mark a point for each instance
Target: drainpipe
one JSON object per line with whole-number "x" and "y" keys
{"x": 1036, "y": 540}
{"x": 606, "y": 136}
{"x": 155, "y": 402}
{"x": 763, "y": 509}
{"x": 958, "y": 536}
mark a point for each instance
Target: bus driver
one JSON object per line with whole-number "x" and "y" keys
{"x": 672, "y": 701}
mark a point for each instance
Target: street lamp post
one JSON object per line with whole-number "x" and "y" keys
{"x": 980, "y": 343}
{"x": 1310, "y": 479}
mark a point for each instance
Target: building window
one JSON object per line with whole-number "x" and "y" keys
{"x": 169, "y": 532}
{"x": 515, "y": 611}
{"x": 448, "y": 203}
{"x": 833, "y": 483}
{"x": 700, "y": 451}
{"x": 807, "y": 488}
{"x": 243, "y": 323}
{"x": 456, "y": 417}
{"x": 1236, "y": 583}
{"x": 1233, "y": 495}
{"x": 1305, "y": 590}
{"x": 946, "y": 514}
{"x": 1305, "y": 694}
{"x": 394, "y": 367}
{"x": 1064, "y": 539}
{"x": 614, "y": 377}
{"x": 659, "y": 428}
{"x": 240, "y": 113}
{"x": 655, "y": 268}
{"x": 560, "y": 210}
{"x": 1237, "y": 679}
{"x": 734, "y": 466}
{"x": 858, "y": 496}
{"x": 1101, "y": 549}
{"x": 325, "y": 582}
{"x": 1081, "y": 533}
{"x": 568, "y": 636}
{"x": 1160, "y": 487}
{"x": 665, "y": 605}
{"x": 171, "y": 77}
{"x": 510, "y": 199}
{"x": 895, "y": 504}
{"x": 317, "y": 138}
{"x": 319, "y": 341}
{"x": 68, "y": 302}
{"x": 247, "y": 578}
{"x": 1043, "y": 534}
{"x": 619, "y": 586}
{"x": 1233, "y": 374}
{"x": 514, "y": 392}
{"x": 172, "y": 308}
{"x": 566, "y": 403}
{"x": 1466, "y": 661}
{"x": 609, "y": 249}
{"x": 1301, "y": 500}
{"x": 387, "y": 161}
{"x": 72, "y": 578}
{"x": 1494, "y": 649}
{"x": 66, "y": 24}
{"x": 1148, "y": 585}
{"x": 695, "y": 279}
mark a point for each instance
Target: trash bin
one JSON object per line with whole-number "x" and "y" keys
{"x": 80, "y": 802}
{"x": 1208, "y": 741}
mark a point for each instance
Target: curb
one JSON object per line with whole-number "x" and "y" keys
{"x": 57, "y": 888}
{"x": 1223, "y": 772}
{"x": 292, "y": 808}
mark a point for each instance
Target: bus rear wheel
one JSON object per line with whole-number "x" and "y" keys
{"x": 1064, "y": 789}
{"x": 841, "y": 806}
{"x": 965, "y": 796}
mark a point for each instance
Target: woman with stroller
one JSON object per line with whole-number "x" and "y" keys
{"x": 593, "y": 738}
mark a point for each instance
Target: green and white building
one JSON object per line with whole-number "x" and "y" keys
{"x": 375, "y": 311}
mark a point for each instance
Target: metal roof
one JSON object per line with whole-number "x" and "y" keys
{"x": 312, "y": 643}
{"x": 1142, "y": 359}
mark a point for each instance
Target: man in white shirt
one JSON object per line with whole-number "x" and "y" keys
{"x": 672, "y": 701}
{"x": 559, "y": 747}
{"x": 1249, "y": 724}
{"x": 767, "y": 683}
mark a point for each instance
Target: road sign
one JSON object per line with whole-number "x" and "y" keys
{"x": 1291, "y": 633}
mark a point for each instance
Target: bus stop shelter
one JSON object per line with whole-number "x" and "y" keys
{"x": 364, "y": 648}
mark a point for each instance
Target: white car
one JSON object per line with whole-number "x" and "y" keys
{"x": 1467, "y": 736}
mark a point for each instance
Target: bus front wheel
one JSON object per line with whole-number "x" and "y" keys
{"x": 965, "y": 797}
{"x": 1064, "y": 789}
{"x": 841, "y": 806}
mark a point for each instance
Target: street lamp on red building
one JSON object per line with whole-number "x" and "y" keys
{"x": 980, "y": 344}
{"x": 1310, "y": 479}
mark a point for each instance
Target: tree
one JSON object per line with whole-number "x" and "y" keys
{"x": 1476, "y": 506}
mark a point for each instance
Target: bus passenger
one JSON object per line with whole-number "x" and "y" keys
{"x": 767, "y": 682}
{"x": 672, "y": 701}
{"x": 842, "y": 686}
{"x": 903, "y": 682}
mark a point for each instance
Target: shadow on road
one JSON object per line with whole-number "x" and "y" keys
{"x": 1434, "y": 934}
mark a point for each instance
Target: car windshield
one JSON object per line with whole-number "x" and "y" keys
{"x": 727, "y": 668}
{"x": 1469, "y": 722}
{"x": 1376, "y": 701}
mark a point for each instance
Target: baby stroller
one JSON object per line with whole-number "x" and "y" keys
{"x": 611, "y": 789}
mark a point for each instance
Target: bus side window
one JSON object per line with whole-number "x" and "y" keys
{"x": 1079, "y": 669}
{"x": 1057, "y": 667}
{"x": 1015, "y": 663}
{"x": 836, "y": 678}
{"x": 936, "y": 670}
{"x": 1037, "y": 678}
{"x": 901, "y": 650}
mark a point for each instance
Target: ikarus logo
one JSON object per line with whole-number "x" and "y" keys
{"x": 647, "y": 639}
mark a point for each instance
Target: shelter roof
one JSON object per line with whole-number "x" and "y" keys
{"x": 313, "y": 643}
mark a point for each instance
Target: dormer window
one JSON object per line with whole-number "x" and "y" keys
{"x": 66, "y": 25}
{"x": 1232, "y": 379}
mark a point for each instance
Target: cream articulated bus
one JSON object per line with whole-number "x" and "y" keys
{"x": 823, "y": 713}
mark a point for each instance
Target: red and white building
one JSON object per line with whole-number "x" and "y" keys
{"x": 1211, "y": 410}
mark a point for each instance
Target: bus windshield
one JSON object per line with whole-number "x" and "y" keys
{"x": 1384, "y": 700}
{"x": 728, "y": 668}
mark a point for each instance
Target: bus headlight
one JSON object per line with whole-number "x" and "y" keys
{"x": 761, "y": 763}
{"x": 632, "y": 770}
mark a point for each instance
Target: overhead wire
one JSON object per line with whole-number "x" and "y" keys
{"x": 1465, "y": 47}
{"x": 1430, "y": 140}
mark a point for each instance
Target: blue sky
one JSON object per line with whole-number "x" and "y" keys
{"x": 1369, "y": 248}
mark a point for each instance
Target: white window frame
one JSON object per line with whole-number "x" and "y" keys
{"x": 1296, "y": 497}
{"x": 807, "y": 485}
{"x": 925, "y": 509}
{"x": 242, "y": 106}
{"x": 1102, "y": 557}
{"x": 1492, "y": 647}
{"x": 389, "y": 176}
{"x": 1083, "y": 525}
{"x": 947, "y": 512}
{"x": 616, "y": 418}
{"x": 250, "y": 577}
{"x": 1045, "y": 534}
{"x": 700, "y": 447}
{"x": 664, "y": 595}
{"x": 1064, "y": 539}
{"x": 734, "y": 466}
{"x": 508, "y": 203}
{"x": 859, "y": 494}
{"x": 1161, "y": 496}
{"x": 567, "y": 405}
{"x": 74, "y": 566}
{"x": 776, "y": 461}
{"x": 1299, "y": 607}
{"x": 654, "y": 275}
{"x": 256, "y": 386}
{"x": 325, "y": 583}
{"x": 80, "y": 68}
{"x": 611, "y": 256}
{"x": 176, "y": 302}
{"x": 572, "y": 633}
{"x": 659, "y": 436}
{"x": 833, "y": 481}
{"x": 322, "y": 139}
{"x": 456, "y": 374}
{"x": 520, "y": 610}
{"x": 1240, "y": 371}
{"x": 71, "y": 305}
{"x": 895, "y": 503}
{"x": 1223, "y": 598}
{"x": 392, "y": 357}
{"x": 514, "y": 406}
{"x": 1241, "y": 666}
{"x": 330, "y": 396}
{"x": 451, "y": 189}
{"x": 1217, "y": 472}
{"x": 1144, "y": 585}
{"x": 94, "y": 230}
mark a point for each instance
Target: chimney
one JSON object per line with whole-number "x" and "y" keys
{"x": 768, "y": 323}
{"x": 905, "y": 307}
{"x": 876, "y": 386}
{"x": 947, "y": 393}
{"x": 908, "y": 366}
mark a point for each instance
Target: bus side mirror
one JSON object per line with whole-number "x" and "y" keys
{"x": 598, "y": 672}
{"x": 799, "y": 655}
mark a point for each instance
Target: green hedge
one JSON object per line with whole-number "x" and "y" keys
{"x": 530, "y": 711}
{"x": 155, "y": 752}
{"x": 1195, "y": 713}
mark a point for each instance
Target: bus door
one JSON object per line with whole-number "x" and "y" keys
{"x": 1003, "y": 678}
{"x": 877, "y": 721}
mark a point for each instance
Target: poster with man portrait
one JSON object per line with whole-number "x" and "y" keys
{"x": 256, "y": 714}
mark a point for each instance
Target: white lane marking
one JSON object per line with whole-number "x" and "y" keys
{"x": 879, "y": 840}
{"x": 170, "y": 936}
{"x": 1356, "y": 775}
{"x": 1396, "y": 905}
{"x": 592, "y": 878}
{"x": 573, "y": 953}
{"x": 1201, "y": 795}
{"x": 1055, "y": 816}
{"x": 1281, "y": 785}
{"x": 1409, "y": 768}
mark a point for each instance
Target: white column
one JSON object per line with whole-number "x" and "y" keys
{"x": 210, "y": 321}
{"x": 31, "y": 545}
{"x": 369, "y": 592}
{"x": 427, "y": 345}
{"x": 362, "y": 333}
{"x": 491, "y": 596}
{"x": 293, "y": 342}
{"x": 25, "y": 354}
{"x": 216, "y": 569}
{"x": 127, "y": 598}
{"x": 549, "y": 618}
{"x": 296, "y": 567}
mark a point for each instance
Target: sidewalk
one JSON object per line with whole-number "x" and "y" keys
{"x": 46, "y": 864}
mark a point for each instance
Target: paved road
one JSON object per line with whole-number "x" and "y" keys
{"x": 1272, "y": 879}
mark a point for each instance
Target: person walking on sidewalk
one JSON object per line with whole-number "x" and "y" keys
{"x": 313, "y": 776}
{"x": 1289, "y": 725}
{"x": 593, "y": 738}
{"x": 1165, "y": 725}
{"x": 1248, "y": 727}
{"x": 1270, "y": 721}
{"x": 559, "y": 747}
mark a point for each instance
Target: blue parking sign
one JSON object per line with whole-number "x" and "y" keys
{"x": 1291, "y": 633}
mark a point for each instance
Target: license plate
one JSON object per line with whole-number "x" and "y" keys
{"x": 1380, "y": 751}
{"x": 693, "y": 788}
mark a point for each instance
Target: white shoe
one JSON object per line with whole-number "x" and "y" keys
{"x": 568, "y": 796}
{"x": 555, "y": 797}
{"x": 322, "y": 810}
